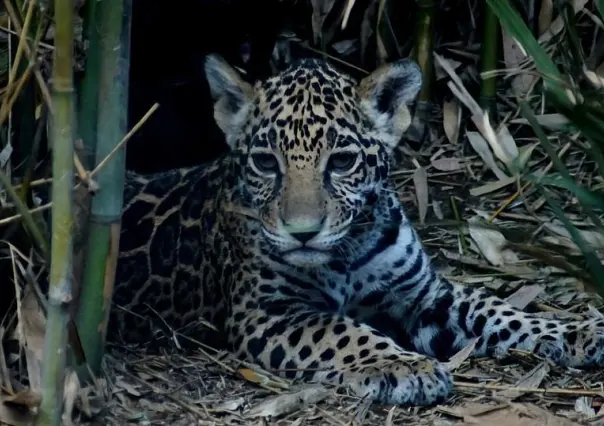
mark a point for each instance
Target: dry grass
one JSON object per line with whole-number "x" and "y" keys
{"x": 451, "y": 183}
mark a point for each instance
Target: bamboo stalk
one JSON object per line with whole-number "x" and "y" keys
{"x": 88, "y": 93}
{"x": 424, "y": 46}
{"x": 490, "y": 49}
{"x": 113, "y": 20}
{"x": 59, "y": 292}
{"x": 87, "y": 99}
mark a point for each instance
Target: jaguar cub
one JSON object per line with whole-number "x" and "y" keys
{"x": 295, "y": 246}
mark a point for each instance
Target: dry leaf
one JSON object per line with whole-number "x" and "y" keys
{"x": 420, "y": 181}
{"x": 262, "y": 379}
{"x": 546, "y": 13}
{"x": 361, "y": 411}
{"x": 558, "y": 23}
{"x": 507, "y": 143}
{"x": 593, "y": 77}
{"x": 5, "y": 377}
{"x": 320, "y": 10}
{"x": 543, "y": 416}
{"x": 481, "y": 147}
{"x": 514, "y": 55}
{"x": 552, "y": 121}
{"x": 440, "y": 73}
{"x": 14, "y": 416}
{"x": 349, "y": 6}
{"x": 592, "y": 238}
{"x": 583, "y": 406}
{"x": 129, "y": 388}
{"x": 367, "y": 27}
{"x": 502, "y": 144}
{"x": 25, "y": 398}
{"x": 288, "y": 402}
{"x": 492, "y": 186}
{"x": 390, "y": 416}
{"x": 459, "y": 358}
{"x": 70, "y": 395}
{"x": 521, "y": 298}
{"x": 32, "y": 325}
{"x": 530, "y": 380}
{"x": 452, "y": 120}
{"x": 506, "y": 415}
{"x": 525, "y": 155}
{"x": 447, "y": 164}
{"x": 231, "y": 404}
{"x": 382, "y": 52}
{"x": 501, "y": 148}
{"x": 490, "y": 243}
{"x": 457, "y": 86}
{"x": 469, "y": 412}
{"x": 600, "y": 70}
{"x": 345, "y": 47}
{"x": 437, "y": 209}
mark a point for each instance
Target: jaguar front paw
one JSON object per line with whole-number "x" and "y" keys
{"x": 406, "y": 380}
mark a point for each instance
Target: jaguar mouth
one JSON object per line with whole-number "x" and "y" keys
{"x": 306, "y": 256}
{"x": 304, "y": 250}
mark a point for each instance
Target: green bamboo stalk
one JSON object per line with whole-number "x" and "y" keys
{"x": 88, "y": 90}
{"x": 424, "y": 46}
{"x": 87, "y": 109}
{"x": 490, "y": 49}
{"x": 59, "y": 292}
{"x": 104, "y": 227}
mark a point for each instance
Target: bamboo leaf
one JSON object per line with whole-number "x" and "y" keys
{"x": 511, "y": 20}
{"x": 593, "y": 263}
{"x": 600, "y": 7}
{"x": 576, "y": 189}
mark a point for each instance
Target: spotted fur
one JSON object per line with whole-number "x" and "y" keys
{"x": 295, "y": 246}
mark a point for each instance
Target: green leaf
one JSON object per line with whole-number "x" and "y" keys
{"x": 593, "y": 263}
{"x": 586, "y": 196}
{"x": 513, "y": 23}
{"x": 558, "y": 164}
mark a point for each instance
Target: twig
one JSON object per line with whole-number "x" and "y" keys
{"x": 556, "y": 391}
{"x": 507, "y": 202}
{"x": 82, "y": 174}
{"x": 180, "y": 400}
{"x": 22, "y": 40}
{"x": 13, "y": 218}
{"x": 25, "y": 213}
{"x": 41, "y": 44}
{"x": 125, "y": 139}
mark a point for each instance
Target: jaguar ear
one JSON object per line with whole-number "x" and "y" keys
{"x": 385, "y": 95}
{"x": 231, "y": 94}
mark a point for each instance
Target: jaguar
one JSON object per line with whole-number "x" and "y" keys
{"x": 295, "y": 247}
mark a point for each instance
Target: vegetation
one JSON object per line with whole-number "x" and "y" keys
{"x": 503, "y": 168}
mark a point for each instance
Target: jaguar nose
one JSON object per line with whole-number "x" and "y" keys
{"x": 304, "y": 237}
{"x": 304, "y": 231}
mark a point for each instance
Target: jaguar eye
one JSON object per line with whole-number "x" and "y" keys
{"x": 265, "y": 162}
{"x": 342, "y": 161}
